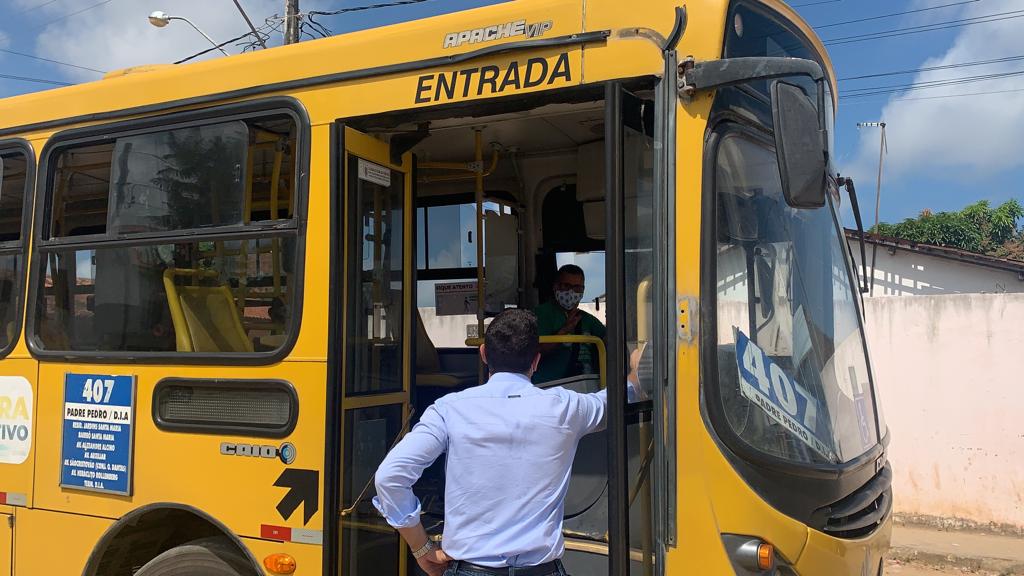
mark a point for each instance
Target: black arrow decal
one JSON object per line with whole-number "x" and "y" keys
{"x": 304, "y": 489}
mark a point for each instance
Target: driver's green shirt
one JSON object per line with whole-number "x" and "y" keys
{"x": 558, "y": 363}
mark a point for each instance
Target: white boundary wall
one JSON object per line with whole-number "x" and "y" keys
{"x": 952, "y": 389}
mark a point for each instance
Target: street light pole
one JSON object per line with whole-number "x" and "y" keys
{"x": 291, "y": 21}
{"x": 883, "y": 148}
{"x": 161, "y": 19}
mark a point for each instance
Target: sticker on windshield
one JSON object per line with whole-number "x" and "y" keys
{"x": 764, "y": 383}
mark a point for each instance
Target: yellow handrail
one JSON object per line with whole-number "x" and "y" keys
{"x": 566, "y": 339}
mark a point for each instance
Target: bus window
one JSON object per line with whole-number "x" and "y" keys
{"x": 158, "y": 289}
{"x": 446, "y": 267}
{"x": 13, "y": 183}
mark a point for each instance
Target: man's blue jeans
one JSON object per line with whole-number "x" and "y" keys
{"x": 455, "y": 570}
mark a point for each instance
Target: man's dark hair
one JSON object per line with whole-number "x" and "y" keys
{"x": 511, "y": 341}
{"x": 572, "y": 270}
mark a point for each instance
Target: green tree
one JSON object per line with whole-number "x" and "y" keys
{"x": 977, "y": 228}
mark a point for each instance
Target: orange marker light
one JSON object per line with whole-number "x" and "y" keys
{"x": 765, "y": 556}
{"x": 279, "y": 563}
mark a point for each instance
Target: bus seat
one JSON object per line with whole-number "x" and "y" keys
{"x": 205, "y": 317}
{"x": 428, "y": 363}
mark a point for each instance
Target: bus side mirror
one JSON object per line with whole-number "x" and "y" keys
{"x": 800, "y": 145}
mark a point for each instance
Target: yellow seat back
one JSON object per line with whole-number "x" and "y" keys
{"x": 205, "y": 317}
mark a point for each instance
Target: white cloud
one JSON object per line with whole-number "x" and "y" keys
{"x": 118, "y": 34}
{"x": 5, "y": 40}
{"x": 960, "y": 137}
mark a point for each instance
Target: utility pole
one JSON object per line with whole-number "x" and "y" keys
{"x": 291, "y": 21}
{"x": 883, "y": 148}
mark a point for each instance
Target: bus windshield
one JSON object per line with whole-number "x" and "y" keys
{"x": 793, "y": 376}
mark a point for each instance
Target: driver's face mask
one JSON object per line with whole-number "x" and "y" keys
{"x": 568, "y": 299}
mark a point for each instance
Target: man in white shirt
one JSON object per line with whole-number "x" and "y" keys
{"x": 510, "y": 449}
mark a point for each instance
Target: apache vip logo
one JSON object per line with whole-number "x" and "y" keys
{"x": 497, "y": 32}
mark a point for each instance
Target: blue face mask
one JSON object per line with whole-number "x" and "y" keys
{"x": 568, "y": 299}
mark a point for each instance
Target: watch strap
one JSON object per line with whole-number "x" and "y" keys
{"x": 424, "y": 550}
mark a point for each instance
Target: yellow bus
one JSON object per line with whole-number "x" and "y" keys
{"x": 229, "y": 287}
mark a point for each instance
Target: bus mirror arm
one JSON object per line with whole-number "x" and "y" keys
{"x": 855, "y": 206}
{"x": 696, "y": 76}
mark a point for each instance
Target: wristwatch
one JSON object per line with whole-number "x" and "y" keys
{"x": 427, "y": 548}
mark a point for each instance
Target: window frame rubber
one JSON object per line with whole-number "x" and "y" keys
{"x": 21, "y": 247}
{"x": 280, "y": 105}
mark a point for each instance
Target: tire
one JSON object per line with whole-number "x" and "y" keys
{"x": 206, "y": 557}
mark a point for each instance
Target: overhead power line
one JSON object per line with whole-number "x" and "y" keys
{"x": 925, "y": 28}
{"x": 75, "y": 13}
{"x": 5, "y": 50}
{"x": 879, "y": 90}
{"x": 212, "y": 48}
{"x": 998, "y": 17}
{"x": 943, "y": 97}
{"x": 36, "y": 7}
{"x": 36, "y": 80}
{"x": 375, "y": 6}
{"x": 934, "y": 68}
{"x": 894, "y": 14}
{"x": 815, "y": 3}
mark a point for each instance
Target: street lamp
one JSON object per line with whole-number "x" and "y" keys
{"x": 878, "y": 193}
{"x": 161, "y": 19}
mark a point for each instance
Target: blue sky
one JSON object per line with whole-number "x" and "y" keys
{"x": 943, "y": 153}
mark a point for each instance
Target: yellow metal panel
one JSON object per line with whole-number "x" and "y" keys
{"x": 312, "y": 342}
{"x": 308, "y": 559}
{"x": 186, "y": 467}
{"x": 51, "y": 543}
{"x": 638, "y": 31}
{"x": 405, "y": 42}
{"x": 20, "y": 409}
{"x": 6, "y": 545}
{"x": 697, "y": 532}
{"x": 827, "y": 555}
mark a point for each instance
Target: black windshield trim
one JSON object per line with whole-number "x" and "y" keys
{"x": 793, "y": 488}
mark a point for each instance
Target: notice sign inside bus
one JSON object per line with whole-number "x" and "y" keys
{"x": 764, "y": 383}
{"x": 97, "y": 437}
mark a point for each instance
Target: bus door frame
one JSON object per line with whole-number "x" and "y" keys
{"x": 346, "y": 143}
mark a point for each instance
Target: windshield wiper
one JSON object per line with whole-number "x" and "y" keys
{"x": 855, "y": 206}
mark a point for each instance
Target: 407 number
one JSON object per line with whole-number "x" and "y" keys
{"x": 97, "y": 390}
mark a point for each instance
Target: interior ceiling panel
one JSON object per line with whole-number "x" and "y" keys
{"x": 555, "y": 127}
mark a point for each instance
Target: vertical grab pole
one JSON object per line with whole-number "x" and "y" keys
{"x": 618, "y": 478}
{"x": 478, "y": 168}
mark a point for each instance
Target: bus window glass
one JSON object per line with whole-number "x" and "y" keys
{"x": 377, "y": 322}
{"x": 793, "y": 378}
{"x": 13, "y": 175}
{"x": 178, "y": 179}
{"x": 213, "y": 297}
{"x": 231, "y": 293}
{"x": 13, "y": 183}
{"x": 446, "y": 256}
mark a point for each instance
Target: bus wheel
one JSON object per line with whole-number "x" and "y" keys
{"x": 206, "y": 557}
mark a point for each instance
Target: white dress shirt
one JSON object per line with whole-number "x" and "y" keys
{"x": 510, "y": 450}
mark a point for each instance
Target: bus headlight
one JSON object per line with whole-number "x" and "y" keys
{"x": 752, "y": 556}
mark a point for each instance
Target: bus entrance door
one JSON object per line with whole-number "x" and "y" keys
{"x": 375, "y": 397}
